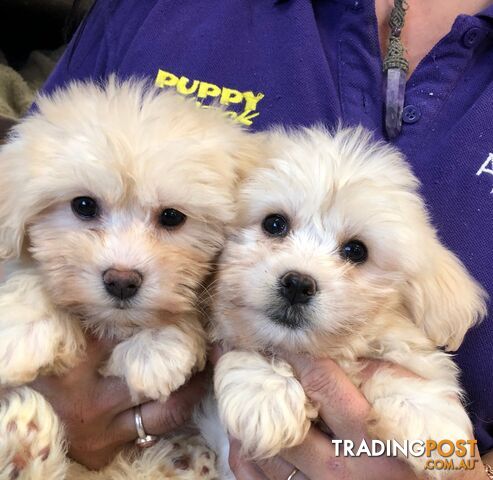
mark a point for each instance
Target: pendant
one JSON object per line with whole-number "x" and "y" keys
{"x": 394, "y": 100}
{"x": 395, "y": 67}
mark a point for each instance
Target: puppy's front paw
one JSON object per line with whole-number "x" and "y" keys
{"x": 31, "y": 438}
{"x": 416, "y": 409}
{"x": 56, "y": 345}
{"x": 261, "y": 403}
{"x": 155, "y": 363}
{"x": 34, "y": 335}
{"x": 17, "y": 363}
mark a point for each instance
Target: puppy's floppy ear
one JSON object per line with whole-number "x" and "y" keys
{"x": 443, "y": 298}
{"x": 252, "y": 152}
{"x": 15, "y": 196}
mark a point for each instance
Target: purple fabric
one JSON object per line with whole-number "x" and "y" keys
{"x": 319, "y": 61}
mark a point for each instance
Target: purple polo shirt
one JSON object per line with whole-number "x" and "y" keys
{"x": 298, "y": 62}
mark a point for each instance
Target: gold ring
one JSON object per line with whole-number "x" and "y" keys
{"x": 292, "y": 474}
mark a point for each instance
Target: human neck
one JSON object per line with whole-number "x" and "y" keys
{"x": 427, "y": 21}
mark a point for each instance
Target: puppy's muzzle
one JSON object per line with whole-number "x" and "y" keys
{"x": 289, "y": 307}
{"x": 122, "y": 284}
{"x": 297, "y": 288}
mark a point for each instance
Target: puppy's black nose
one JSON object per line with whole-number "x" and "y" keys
{"x": 297, "y": 288}
{"x": 122, "y": 284}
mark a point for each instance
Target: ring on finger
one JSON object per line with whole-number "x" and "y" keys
{"x": 143, "y": 440}
{"x": 292, "y": 474}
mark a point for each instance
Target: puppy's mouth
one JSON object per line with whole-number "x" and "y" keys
{"x": 122, "y": 304}
{"x": 293, "y": 317}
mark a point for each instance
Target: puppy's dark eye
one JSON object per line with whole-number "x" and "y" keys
{"x": 85, "y": 208}
{"x": 276, "y": 225}
{"x": 354, "y": 251}
{"x": 171, "y": 218}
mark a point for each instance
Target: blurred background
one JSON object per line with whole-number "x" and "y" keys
{"x": 33, "y": 35}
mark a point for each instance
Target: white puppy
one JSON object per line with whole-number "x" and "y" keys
{"x": 333, "y": 254}
{"x": 115, "y": 200}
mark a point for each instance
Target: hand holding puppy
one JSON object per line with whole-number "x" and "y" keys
{"x": 97, "y": 411}
{"x": 345, "y": 410}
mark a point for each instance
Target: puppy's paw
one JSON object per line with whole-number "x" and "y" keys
{"x": 155, "y": 363}
{"x": 34, "y": 335}
{"x": 261, "y": 403}
{"x": 416, "y": 409}
{"x": 56, "y": 349}
{"x": 31, "y": 438}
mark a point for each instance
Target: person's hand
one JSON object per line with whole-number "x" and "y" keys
{"x": 97, "y": 411}
{"x": 345, "y": 410}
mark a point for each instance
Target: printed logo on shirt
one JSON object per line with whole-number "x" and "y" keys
{"x": 206, "y": 92}
{"x": 486, "y": 167}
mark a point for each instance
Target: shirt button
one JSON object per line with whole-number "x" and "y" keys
{"x": 471, "y": 37}
{"x": 411, "y": 114}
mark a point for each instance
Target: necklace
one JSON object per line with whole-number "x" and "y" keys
{"x": 395, "y": 67}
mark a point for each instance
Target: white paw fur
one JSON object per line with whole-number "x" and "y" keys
{"x": 408, "y": 408}
{"x": 261, "y": 403}
{"x": 156, "y": 362}
{"x": 31, "y": 444}
{"x": 182, "y": 457}
{"x": 30, "y": 323}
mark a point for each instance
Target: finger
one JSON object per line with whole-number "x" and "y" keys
{"x": 316, "y": 458}
{"x": 373, "y": 366}
{"x": 85, "y": 373}
{"x": 277, "y": 468}
{"x": 341, "y": 405}
{"x": 216, "y": 352}
{"x": 108, "y": 395}
{"x": 113, "y": 392}
{"x": 98, "y": 350}
{"x": 160, "y": 418}
{"x": 218, "y": 349}
{"x": 241, "y": 467}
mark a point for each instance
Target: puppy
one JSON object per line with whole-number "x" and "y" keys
{"x": 114, "y": 200}
{"x": 333, "y": 254}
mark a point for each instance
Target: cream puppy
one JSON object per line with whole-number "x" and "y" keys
{"x": 333, "y": 254}
{"x": 115, "y": 200}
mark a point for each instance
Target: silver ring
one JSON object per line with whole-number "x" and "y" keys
{"x": 292, "y": 474}
{"x": 144, "y": 440}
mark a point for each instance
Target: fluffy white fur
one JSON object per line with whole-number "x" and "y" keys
{"x": 185, "y": 457}
{"x": 136, "y": 151}
{"x": 411, "y": 295}
{"x": 31, "y": 440}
